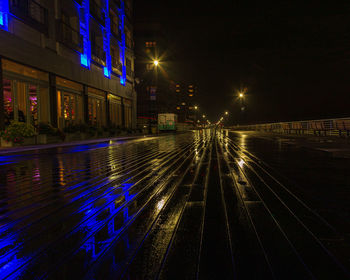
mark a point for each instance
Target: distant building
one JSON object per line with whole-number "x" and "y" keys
{"x": 65, "y": 62}
{"x": 155, "y": 90}
{"x": 186, "y": 96}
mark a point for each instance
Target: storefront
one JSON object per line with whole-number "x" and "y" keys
{"x": 26, "y": 95}
{"x": 115, "y": 110}
{"x": 70, "y": 105}
{"x": 96, "y": 107}
{"x": 127, "y": 113}
{"x": 27, "y": 99}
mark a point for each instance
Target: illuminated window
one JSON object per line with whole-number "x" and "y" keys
{"x": 151, "y": 44}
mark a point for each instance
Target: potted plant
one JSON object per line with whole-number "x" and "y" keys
{"x": 72, "y": 132}
{"x": 91, "y": 131}
{"x": 100, "y": 132}
{"x": 18, "y": 133}
{"x": 48, "y": 134}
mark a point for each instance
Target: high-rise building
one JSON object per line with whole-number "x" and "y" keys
{"x": 65, "y": 62}
{"x": 186, "y": 96}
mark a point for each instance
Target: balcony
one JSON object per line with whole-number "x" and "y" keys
{"x": 128, "y": 12}
{"x": 114, "y": 5}
{"x": 115, "y": 30}
{"x": 97, "y": 12}
{"x": 116, "y": 64}
{"x": 69, "y": 36}
{"x": 98, "y": 53}
{"x": 31, "y": 13}
{"x": 129, "y": 72}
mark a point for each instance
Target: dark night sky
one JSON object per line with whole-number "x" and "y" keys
{"x": 292, "y": 56}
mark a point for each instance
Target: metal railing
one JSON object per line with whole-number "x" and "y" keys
{"x": 31, "y": 12}
{"x": 69, "y": 36}
{"x": 324, "y": 127}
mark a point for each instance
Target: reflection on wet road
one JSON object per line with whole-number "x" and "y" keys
{"x": 186, "y": 206}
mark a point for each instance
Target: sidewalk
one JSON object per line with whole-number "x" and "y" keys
{"x": 20, "y": 149}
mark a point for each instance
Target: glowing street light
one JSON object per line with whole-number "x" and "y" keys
{"x": 156, "y": 62}
{"x": 241, "y": 95}
{"x": 196, "y": 107}
{"x": 203, "y": 116}
{"x": 226, "y": 113}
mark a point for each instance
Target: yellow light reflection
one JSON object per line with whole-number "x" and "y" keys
{"x": 160, "y": 204}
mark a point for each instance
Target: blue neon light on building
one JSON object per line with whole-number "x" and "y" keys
{"x": 107, "y": 42}
{"x": 4, "y": 13}
{"x": 84, "y": 18}
{"x": 122, "y": 45}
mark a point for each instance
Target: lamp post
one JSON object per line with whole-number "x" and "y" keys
{"x": 156, "y": 63}
{"x": 241, "y": 98}
{"x": 242, "y": 105}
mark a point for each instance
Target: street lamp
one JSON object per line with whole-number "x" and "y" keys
{"x": 241, "y": 95}
{"x": 226, "y": 113}
{"x": 203, "y": 116}
{"x": 156, "y": 62}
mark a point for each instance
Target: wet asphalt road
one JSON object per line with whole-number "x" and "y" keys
{"x": 200, "y": 205}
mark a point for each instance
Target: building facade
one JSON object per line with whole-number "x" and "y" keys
{"x": 67, "y": 62}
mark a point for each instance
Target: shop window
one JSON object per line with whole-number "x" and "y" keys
{"x": 96, "y": 107}
{"x": 8, "y": 101}
{"x": 69, "y": 108}
{"x": 25, "y": 102}
{"x": 115, "y": 110}
{"x": 33, "y": 104}
{"x": 127, "y": 113}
